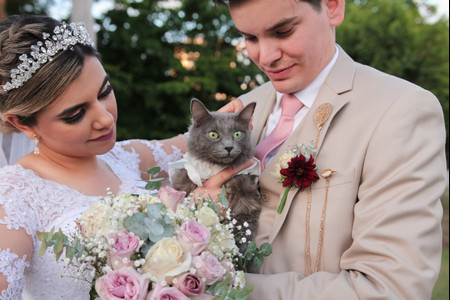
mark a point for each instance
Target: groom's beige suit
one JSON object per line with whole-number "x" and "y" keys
{"x": 382, "y": 239}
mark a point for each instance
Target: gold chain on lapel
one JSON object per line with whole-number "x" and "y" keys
{"x": 321, "y": 115}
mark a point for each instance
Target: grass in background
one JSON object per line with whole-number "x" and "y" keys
{"x": 441, "y": 289}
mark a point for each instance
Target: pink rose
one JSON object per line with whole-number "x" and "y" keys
{"x": 120, "y": 252}
{"x": 193, "y": 236}
{"x": 190, "y": 284}
{"x": 166, "y": 293}
{"x": 170, "y": 197}
{"x": 209, "y": 267}
{"x": 125, "y": 283}
{"x": 229, "y": 269}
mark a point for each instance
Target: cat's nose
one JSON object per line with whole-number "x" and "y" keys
{"x": 229, "y": 149}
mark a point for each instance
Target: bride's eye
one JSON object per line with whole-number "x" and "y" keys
{"x": 238, "y": 134}
{"x": 75, "y": 118}
{"x": 213, "y": 135}
{"x": 106, "y": 92}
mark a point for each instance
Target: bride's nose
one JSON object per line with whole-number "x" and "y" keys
{"x": 103, "y": 116}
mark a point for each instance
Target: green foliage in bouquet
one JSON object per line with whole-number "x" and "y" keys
{"x": 150, "y": 227}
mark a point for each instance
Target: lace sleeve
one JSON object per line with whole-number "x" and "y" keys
{"x": 13, "y": 268}
{"x": 158, "y": 153}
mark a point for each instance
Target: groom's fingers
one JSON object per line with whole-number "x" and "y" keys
{"x": 213, "y": 186}
{"x": 233, "y": 106}
{"x": 219, "y": 179}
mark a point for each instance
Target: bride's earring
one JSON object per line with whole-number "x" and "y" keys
{"x": 36, "y": 141}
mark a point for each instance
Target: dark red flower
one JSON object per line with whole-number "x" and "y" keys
{"x": 300, "y": 172}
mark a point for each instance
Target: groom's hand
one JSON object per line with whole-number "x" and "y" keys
{"x": 234, "y": 106}
{"x": 213, "y": 186}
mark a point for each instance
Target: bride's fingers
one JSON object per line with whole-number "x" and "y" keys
{"x": 233, "y": 106}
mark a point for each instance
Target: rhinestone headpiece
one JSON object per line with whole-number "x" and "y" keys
{"x": 65, "y": 36}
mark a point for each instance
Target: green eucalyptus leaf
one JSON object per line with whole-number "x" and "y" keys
{"x": 152, "y": 185}
{"x": 155, "y": 227}
{"x": 258, "y": 260}
{"x": 153, "y": 171}
{"x": 266, "y": 249}
{"x": 222, "y": 197}
{"x": 136, "y": 224}
{"x": 154, "y": 210}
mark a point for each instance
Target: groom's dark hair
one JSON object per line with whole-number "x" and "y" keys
{"x": 316, "y": 4}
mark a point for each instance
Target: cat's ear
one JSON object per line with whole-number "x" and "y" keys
{"x": 199, "y": 112}
{"x": 247, "y": 112}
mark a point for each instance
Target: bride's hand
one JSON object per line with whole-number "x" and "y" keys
{"x": 213, "y": 186}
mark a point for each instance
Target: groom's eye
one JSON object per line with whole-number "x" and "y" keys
{"x": 213, "y": 135}
{"x": 237, "y": 135}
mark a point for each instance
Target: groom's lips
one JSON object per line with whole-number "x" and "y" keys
{"x": 278, "y": 74}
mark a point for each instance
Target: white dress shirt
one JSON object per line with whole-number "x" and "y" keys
{"x": 306, "y": 96}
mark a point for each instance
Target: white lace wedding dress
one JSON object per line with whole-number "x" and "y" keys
{"x": 35, "y": 204}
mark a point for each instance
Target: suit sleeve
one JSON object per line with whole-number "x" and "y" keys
{"x": 397, "y": 236}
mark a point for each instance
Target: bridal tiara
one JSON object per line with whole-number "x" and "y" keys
{"x": 65, "y": 36}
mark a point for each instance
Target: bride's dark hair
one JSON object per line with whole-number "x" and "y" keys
{"x": 17, "y": 35}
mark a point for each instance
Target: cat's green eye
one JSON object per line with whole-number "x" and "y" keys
{"x": 213, "y": 135}
{"x": 237, "y": 134}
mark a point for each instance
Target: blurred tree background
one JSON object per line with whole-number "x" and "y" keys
{"x": 161, "y": 54}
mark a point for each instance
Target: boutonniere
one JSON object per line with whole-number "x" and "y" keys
{"x": 296, "y": 168}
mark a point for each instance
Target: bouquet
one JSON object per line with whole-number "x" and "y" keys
{"x": 296, "y": 168}
{"x": 159, "y": 245}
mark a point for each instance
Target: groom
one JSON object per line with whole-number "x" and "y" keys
{"x": 370, "y": 227}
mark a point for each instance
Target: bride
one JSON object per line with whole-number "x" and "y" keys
{"x": 72, "y": 119}
{"x": 61, "y": 98}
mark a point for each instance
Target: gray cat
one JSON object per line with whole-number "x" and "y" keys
{"x": 223, "y": 140}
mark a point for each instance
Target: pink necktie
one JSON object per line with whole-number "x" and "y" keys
{"x": 290, "y": 105}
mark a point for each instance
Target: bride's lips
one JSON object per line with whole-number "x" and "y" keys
{"x": 105, "y": 137}
{"x": 278, "y": 74}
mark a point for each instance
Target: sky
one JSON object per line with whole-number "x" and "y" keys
{"x": 62, "y": 9}
{"x": 442, "y": 6}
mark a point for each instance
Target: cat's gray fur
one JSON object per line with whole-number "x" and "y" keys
{"x": 242, "y": 191}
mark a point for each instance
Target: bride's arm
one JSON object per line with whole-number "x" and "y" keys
{"x": 16, "y": 248}
{"x": 157, "y": 153}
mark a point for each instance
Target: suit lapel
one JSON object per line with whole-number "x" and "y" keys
{"x": 266, "y": 96}
{"x": 338, "y": 82}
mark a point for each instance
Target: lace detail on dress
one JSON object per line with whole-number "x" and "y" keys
{"x": 36, "y": 204}
{"x": 161, "y": 156}
{"x": 13, "y": 268}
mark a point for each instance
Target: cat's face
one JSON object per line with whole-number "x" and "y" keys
{"x": 220, "y": 138}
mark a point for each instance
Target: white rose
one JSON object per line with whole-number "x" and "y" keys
{"x": 96, "y": 219}
{"x": 207, "y": 216}
{"x": 166, "y": 260}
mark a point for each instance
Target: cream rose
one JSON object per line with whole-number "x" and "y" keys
{"x": 207, "y": 216}
{"x": 282, "y": 164}
{"x": 166, "y": 259}
{"x": 96, "y": 219}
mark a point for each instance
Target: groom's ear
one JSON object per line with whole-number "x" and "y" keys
{"x": 199, "y": 112}
{"x": 14, "y": 121}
